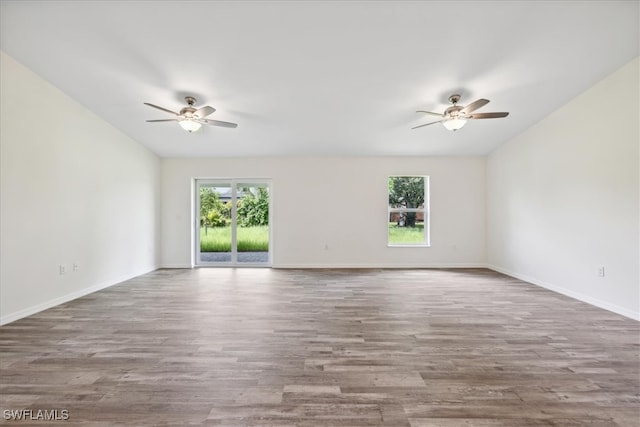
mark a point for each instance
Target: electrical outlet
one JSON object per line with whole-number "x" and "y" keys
{"x": 62, "y": 269}
{"x": 76, "y": 267}
{"x": 600, "y": 271}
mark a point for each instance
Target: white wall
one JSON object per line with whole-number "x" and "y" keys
{"x": 342, "y": 203}
{"x": 563, "y": 198}
{"x": 74, "y": 189}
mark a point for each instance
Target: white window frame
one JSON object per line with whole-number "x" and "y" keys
{"x": 425, "y": 211}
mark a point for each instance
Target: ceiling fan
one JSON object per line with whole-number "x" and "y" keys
{"x": 190, "y": 118}
{"x": 456, "y": 116}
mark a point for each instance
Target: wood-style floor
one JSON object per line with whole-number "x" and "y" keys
{"x": 262, "y": 347}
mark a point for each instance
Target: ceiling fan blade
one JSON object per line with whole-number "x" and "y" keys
{"x": 429, "y": 112}
{"x": 474, "y": 106}
{"x": 427, "y": 124}
{"x": 204, "y": 111}
{"x": 488, "y": 115}
{"x": 163, "y": 120}
{"x": 217, "y": 123}
{"x": 162, "y": 109}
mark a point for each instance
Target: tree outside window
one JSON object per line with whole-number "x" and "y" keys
{"x": 408, "y": 211}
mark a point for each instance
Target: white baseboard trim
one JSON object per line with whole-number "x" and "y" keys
{"x": 374, "y": 266}
{"x": 176, "y": 266}
{"x": 572, "y": 294}
{"x": 69, "y": 297}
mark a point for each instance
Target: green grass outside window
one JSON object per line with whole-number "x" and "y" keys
{"x": 250, "y": 239}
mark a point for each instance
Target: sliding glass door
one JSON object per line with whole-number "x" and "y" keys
{"x": 232, "y": 222}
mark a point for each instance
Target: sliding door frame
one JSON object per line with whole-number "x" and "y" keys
{"x": 195, "y": 219}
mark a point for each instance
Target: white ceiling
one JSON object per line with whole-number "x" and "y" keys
{"x": 321, "y": 78}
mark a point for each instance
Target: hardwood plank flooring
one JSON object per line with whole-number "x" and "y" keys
{"x": 263, "y": 347}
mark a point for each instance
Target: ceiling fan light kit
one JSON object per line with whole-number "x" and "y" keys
{"x": 455, "y": 117}
{"x": 191, "y": 119}
{"x": 454, "y": 124}
{"x": 189, "y": 125}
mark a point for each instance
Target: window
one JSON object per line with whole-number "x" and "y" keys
{"x": 408, "y": 211}
{"x": 231, "y": 222}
